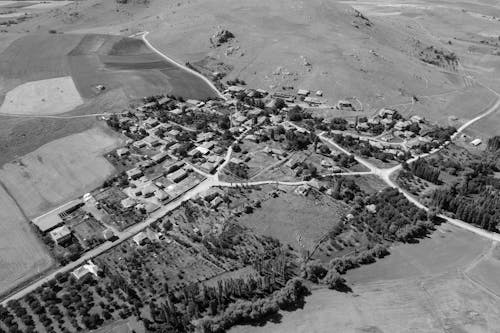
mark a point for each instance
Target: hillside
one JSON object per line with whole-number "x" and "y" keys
{"x": 315, "y": 45}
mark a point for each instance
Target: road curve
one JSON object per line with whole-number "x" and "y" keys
{"x": 164, "y": 56}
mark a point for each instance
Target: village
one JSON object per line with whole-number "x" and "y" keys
{"x": 252, "y": 136}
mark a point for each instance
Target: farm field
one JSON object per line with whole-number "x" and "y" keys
{"x": 22, "y": 254}
{"x": 418, "y": 288}
{"x": 94, "y": 59}
{"x": 60, "y": 170}
{"x": 42, "y": 97}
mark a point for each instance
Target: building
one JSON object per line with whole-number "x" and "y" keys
{"x": 160, "y": 157}
{"x": 151, "y": 123}
{"x": 127, "y": 203}
{"x": 61, "y": 235}
{"x": 141, "y": 238}
{"x": 108, "y": 234}
{"x": 122, "y": 152}
{"x": 86, "y": 270}
{"x": 161, "y": 195}
{"x": 53, "y": 219}
{"x": 174, "y": 167}
{"x": 216, "y": 202}
{"x": 303, "y": 92}
{"x": 151, "y": 141}
{"x": 177, "y": 176}
{"x": 476, "y": 142}
{"x": 134, "y": 173}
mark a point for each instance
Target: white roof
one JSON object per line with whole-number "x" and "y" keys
{"x": 476, "y": 142}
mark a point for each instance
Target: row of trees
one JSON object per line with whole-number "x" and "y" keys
{"x": 248, "y": 311}
{"x": 422, "y": 169}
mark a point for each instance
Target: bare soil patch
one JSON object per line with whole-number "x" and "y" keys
{"x": 60, "y": 170}
{"x": 22, "y": 255}
{"x": 42, "y": 97}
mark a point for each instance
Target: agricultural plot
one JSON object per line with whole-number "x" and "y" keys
{"x": 22, "y": 255}
{"x": 42, "y": 97}
{"x": 36, "y": 68}
{"x": 61, "y": 170}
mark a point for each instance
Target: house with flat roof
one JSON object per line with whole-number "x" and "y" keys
{"x": 60, "y": 235}
{"x": 87, "y": 269}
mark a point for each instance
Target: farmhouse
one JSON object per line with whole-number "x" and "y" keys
{"x": 60, "y": 235}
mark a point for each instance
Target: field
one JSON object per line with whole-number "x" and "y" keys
{"x": 294, "y": 219}
{"x": 486, "y": 270}
{"x": 42, "y": 97}
{"x": 60, "y": 170}
{"x": 22, "y": 255}
{"x": 417, "y": 288}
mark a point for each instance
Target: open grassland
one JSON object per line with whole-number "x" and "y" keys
{"x": 440, "y": 304}
{"x": 42, "y": 97}
{"x": 60, "y": 170}
{"x": 447, "y": 249}
{"x": 295, "y": 220}
{"x": 22, "y": 255}
{"x": 487, "y": 270}
{"x": 417, "y": 288}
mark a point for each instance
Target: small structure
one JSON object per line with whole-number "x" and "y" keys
{"x": 151, "y": 141}
{"x": 476, "y": 142}
{"x": 177, "y": 176}
{"x": 161, "y": 195}
{"x": 371, "y": 208}
{"x": 141, "y": 238}
{"x": 86, "y": 270}
{"x": 127, "y": 203}
{"x": 303, "y": 92}
{"x": 53, "y": 219}
{"x": 61, "y": 235}
{"x": 134, "y": 173}
{"x": 216, "y": 202}
{"x": 303, "y": 190}
{"x": 108, "y": 234}
{"x": 122, "y": 152}
{"x": 160, "y": 157}
{"x": 319, "y": 93}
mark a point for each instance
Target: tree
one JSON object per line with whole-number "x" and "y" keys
{"x": 334, "y": 281}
